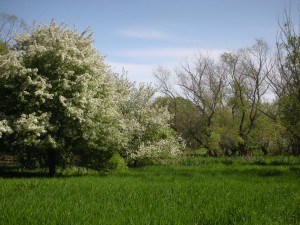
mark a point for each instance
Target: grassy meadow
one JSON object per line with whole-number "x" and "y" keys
{"x": 193, "y": 191}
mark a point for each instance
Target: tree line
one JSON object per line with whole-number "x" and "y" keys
{"x": 243, "y": 102}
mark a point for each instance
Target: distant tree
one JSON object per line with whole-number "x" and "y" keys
{"x": 247, "y": 71}
{"x": 10, "y": 26}
{"x": 187, "y": 121}
{"x": 202, "y": 84}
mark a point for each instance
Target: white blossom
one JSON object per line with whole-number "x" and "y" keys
{"x": 4, "y": 128}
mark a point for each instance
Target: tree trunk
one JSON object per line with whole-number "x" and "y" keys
{"x": 264, "y": 147}
{"x": 52, "y": 162}
{"x": 242, "y": 149}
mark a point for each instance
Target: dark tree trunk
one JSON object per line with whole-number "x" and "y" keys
{"x": 52, "y": 162}
{"x": 296, "y": 149}
{"x": 234, "y": 150}
{"x": 264, "y": 147}
{"x": 242, "y": 149}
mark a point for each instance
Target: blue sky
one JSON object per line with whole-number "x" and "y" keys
{"x": 139, "y": 35}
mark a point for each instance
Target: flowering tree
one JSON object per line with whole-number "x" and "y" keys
{"x": 60, "y": 103}
{"x": 56, "y": 95}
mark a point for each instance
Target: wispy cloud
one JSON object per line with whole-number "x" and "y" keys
{"x": 167, "y": 57}
{"x": 146, "y": 33}
{"x": 171, "y": 53}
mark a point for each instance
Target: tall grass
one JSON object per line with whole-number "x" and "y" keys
{"x": 198, "y": 191}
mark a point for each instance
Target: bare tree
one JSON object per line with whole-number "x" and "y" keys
{"x": 164, "y": 82}
{"x": 287, "y": 79}
{"x": 203, "y": 83}
{"x": 10, "y": 25}
{"x": 258, "y": 64}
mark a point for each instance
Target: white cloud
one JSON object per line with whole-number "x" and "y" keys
{"x": 153, "y": 34}
{"x": 159, "y": 52}
{"x": 146, "y": 34}
{"x": 135, "y": 72}
{"x": 170, "y": 53}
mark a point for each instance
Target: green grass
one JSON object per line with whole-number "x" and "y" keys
{"x": 195, "y": 191}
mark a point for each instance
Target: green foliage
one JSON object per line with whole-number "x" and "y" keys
{"x": 186, "y": 120}
{"x": 116, "y": 164}
{"x": 3, "y": 48}
{"x": 213, "y": 143}
{"x": 290, "y": 117}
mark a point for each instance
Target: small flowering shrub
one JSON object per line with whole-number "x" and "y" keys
{"x": 147, "y": 129}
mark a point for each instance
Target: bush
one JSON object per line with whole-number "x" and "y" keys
{"x": 116, "y": 164}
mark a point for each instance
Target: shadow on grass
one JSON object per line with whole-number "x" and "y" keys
{"x": 279, "y": 163}
{"x": 167, "y": 172}
{"x": 6, "y": 172}
{"x": 14, "y": 172}
{"x": 295, "y": 170}
{"x": 266, "y": 172}
{"x": 200, "y": 173}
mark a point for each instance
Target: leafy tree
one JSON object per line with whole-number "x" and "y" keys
{"x": 247, "y": 71}
{"x": 227, "y": 128}
{"x": 187, "y": 121}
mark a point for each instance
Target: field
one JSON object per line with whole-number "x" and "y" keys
{"x": 192, "y": 191}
